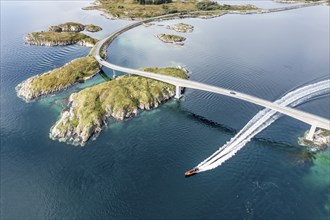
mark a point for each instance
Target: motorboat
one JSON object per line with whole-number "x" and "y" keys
{"x": 191, "y": 172}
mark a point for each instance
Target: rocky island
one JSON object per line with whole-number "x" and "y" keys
{"x": 89, "y": 109}
{"x": 52, "y": 38}
{"x": 170, "y": 38}
{"x": 93, "y": 28}
{"x": 321, "y": 140}
{"x": 181, "y": 27}
{"x": 68, "y": 27}
{"x": 63, "y": 34}
{"x": 77, "y": 70}
{"x": 118, "y": 9}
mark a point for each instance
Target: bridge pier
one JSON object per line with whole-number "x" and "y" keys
{"x": 177, "y": 92}
{"x": 114, "y": 74}
{"x": 310, "y": 135}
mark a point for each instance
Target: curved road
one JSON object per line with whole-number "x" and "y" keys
{"x": 313, "y": 120}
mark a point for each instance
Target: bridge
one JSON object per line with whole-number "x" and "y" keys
{"x": 313, "y": 120}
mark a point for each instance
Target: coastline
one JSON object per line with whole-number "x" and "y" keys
{"x": 196, "y": 14}
{"x": 89, "y": 110}
{"x": 207, "y": 14}
{"x": 103, "y": 44}
{"x": 118, "y": 172}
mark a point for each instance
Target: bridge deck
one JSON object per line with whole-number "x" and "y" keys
{"x": 308, "y": 118}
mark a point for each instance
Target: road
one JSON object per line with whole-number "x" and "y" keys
{"x": 313, "y": 120}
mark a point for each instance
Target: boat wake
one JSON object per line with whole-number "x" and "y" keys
{"x": 262, "y": 120}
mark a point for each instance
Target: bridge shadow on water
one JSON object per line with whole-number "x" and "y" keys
{"x": 176, "y": 106}
{"x": 305, "y": 155}
{"x": 104, "y": 75}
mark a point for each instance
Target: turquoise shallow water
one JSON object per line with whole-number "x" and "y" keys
{"x": 134, "y": 169}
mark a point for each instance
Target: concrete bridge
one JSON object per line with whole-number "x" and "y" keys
{"x": 313, "y": 120}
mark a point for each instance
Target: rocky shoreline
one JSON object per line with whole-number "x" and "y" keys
{"x": 92, "y": 28}
{"x": 68, "y": 27}
{"x": 321, "y": 140}
{"x": 32, "y": 40}
{"x": 89, "y": 110}
{"x": 63, "y": 34}
{"x": 181, "y": 27}
{"x": 51, "y": 38}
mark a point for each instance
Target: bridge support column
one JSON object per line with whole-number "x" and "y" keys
{"x": 310, "y": 135}
{"x": 114, "y": 74}
{"x": 177, "y": 92}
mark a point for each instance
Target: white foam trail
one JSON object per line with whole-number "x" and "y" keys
{"x": 262, "y": 120}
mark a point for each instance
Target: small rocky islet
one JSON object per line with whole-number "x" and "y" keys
{"x": 92, "y": 28}
{"x": 176, "y": 39}
{"x": 68, "y": 27}
{"x": 181, "y": 27}
{"x": 52, "y": 38}
{"x": 63, "y": 34}
{"x": 78, "y": 70}
{"x": 171, "y": 38}
{"x": 321, "y": 140}
{"x": 89, "y": 109}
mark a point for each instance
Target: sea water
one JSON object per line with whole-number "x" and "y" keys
{"x": 135, "y": 168}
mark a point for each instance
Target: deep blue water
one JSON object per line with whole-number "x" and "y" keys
{"x": 135, "y": 168}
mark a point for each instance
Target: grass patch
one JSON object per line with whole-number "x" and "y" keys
{"x": 77, "y": 70}
{"x": 120, "y": 98}
{"x": 134, "y": 8}
{"x": 127, "y": 94}
{"x": 56, "y": 38}
{"x": 170, "y": 38}
{"x": 93, "y": 28}
{"x": 211, "y": 6}
{"x": 68, "y": 27}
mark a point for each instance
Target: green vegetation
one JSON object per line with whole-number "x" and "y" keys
{"x": 153, "y": 2}
{"x": 52, "y": 38}
{"x": 93, "y": 28}
{"x": 124, "y": 95}
{"x": 152, "y": 8}
{"x": 120, "y": 98}
{"x": 211, "y": 6}
{"x": 68, "y": 27}
{"x": 63, "y": 34}
{"x": 77, "y": 70}
{"x": 170, "y": 38}
{"x": 133, "y": 9}
{"x": 207, "y": 6}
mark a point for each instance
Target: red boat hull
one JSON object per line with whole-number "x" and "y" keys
{"x": 191, "y": 172}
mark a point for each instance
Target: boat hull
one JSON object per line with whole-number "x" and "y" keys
{"x": 191, "y": 172}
